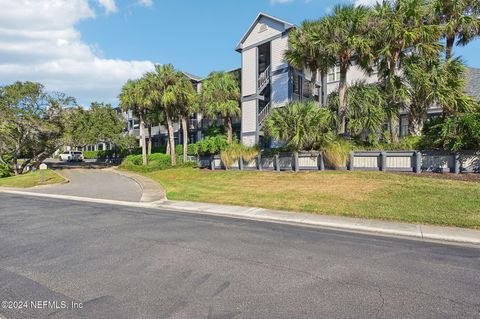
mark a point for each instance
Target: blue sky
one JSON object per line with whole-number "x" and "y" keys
{"x": 197, "y": 36}
{"x": 89, "y": 48}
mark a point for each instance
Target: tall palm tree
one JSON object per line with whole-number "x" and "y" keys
{"x": 302, "y": 126}
{"x": 133, "y": 97}
{"x": 430, "y": 81}
{"x": 345, "y": 36}
{"x": 163, "y": 96}
{"x": 187, "y": 104}
{"x": 304, "y": 53}
{"x": 401, "y": 27}
{"x": 459, "y": 20}
{"x": 220, "y": 96}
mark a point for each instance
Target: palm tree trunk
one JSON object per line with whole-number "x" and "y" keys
{"x": 142, "y": 139}
{"x": 184, "y": 138}
{"x": 173, "y": 156}
{"x": 167, "y": 148}
{"x": 449, "y": 47}
{"x": 394, "y": 128}
{"x": 342, "y": 88}
{"x": 149, "y": 139}
{"x": 313, "y": 83}
{"x": 228, "y": 125}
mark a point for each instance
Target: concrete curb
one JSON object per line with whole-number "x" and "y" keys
{"x": 368, "y": 226}
{"x": 151, "y": 190}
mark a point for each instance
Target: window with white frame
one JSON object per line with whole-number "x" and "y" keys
{"x": 333, "y": 74}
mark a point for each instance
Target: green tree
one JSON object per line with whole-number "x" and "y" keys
{"x": 163, "y": 94}
{"x": 400, "y": 28}
{"x": 345, "y": 36}
{"x": 302, "y": 126}
{"x": 134, "y": 97}
{"x": 304, "y": 53}
{"x": 459, "y": 20}
{"x": 220, "y": 96}
{"x": 31, "y": 124}
{"x": 431, "y": 81}
{"x": 366, "y": 109}
{"x": 87, "y": 126}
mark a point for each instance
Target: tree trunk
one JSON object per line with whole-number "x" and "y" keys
{"x": 228, "y": 125}
{"x": 449, "y": 47}
{"x": 149, "y": 139}
{"x": 342, "y": 88}
{"x": 142, "y": 139}
{"x": 416, "y": 119}
{"x": 167, "y": 147}
{"x": 394, "y": 128}
{"x": 173, "y": 156}
{"x": 184, "y": 138}
{"x": 313, "y": 83}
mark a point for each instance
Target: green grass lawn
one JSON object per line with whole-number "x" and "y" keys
{"x": 31, "y": 179}
{"x": 357, "y": 194}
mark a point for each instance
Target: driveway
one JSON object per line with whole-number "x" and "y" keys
{"x": 94, "y": 183}
{"x": 124, "y": 262}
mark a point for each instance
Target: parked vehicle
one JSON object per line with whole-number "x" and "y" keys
{"x": 72, "y": 156}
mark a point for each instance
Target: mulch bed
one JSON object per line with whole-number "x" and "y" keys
{"x": 467, "y": 177}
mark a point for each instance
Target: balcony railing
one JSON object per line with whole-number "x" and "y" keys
{"x": 264, "y": 78}
{"x": 264, "y": 113}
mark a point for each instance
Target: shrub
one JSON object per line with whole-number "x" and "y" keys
{"x": 5, "y": 170}
{"x": 336, "y": 153}
{"x": 209, "y": 146}
{"x": 234, "y": 151}
{"x": 156, "y": 161}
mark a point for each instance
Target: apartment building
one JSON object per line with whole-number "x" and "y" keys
{"x": 268, "y": 82}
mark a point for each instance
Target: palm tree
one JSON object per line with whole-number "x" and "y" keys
{"x": 345, "y": 36}
{"x": 401, "y": 27}
{"x": 220, "y": 96}
{"x": 304, "y": 53}
{"x": 187, "y": 104}
{"x": 430, "y": 81}
{"x": 459, "y": 20}
{"x": 302, "y": 126}
{"x": 133, "y": 97}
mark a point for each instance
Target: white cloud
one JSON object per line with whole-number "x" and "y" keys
{"x": 146, "y": 3}
{"x": 280, "y": 1}
{"x": 40, "y": 43}
{"x": 366, "y": 2}
{"x": 109, "y": 5}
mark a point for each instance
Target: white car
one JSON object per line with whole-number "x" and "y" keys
{"x": 71, "y": 156}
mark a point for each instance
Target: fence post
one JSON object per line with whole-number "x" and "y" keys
{"x": 212, "y": 162}
{"x": 383, "y": 159}
{"x": 259, "y": 162}
{"x": 240, "y": 163}
{"x": 277, "y": 163}
{"x": 351, "y": 161}
{"x": 321, "y": 163}
{"x": 418, "y": 162}
{"x": 295, "y": 161}
{"x": 456, "y": 163}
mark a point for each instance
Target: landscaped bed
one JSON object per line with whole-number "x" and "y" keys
{"x": 357, "y": 194}
{"x": 32, "y": 179}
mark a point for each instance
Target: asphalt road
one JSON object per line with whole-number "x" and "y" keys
{"x": 123, "y": 262}
{"x": 94, "y": 183}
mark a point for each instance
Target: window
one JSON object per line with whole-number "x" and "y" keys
{"x": 334, "y": 74}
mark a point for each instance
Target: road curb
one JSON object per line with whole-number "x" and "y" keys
{"x": 151, "y": 190}
{"x": 366, "y": 226}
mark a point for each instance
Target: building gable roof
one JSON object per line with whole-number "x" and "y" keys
{"x": 287, "y": 25}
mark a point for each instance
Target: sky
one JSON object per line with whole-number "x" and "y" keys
{"x": 89, "y": 48}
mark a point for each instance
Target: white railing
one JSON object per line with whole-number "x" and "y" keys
{"x": 264, "y": 77}
{"x": 263, "y": 113}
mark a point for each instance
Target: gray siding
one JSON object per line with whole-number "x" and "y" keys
{"x": 249, "y": 72}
